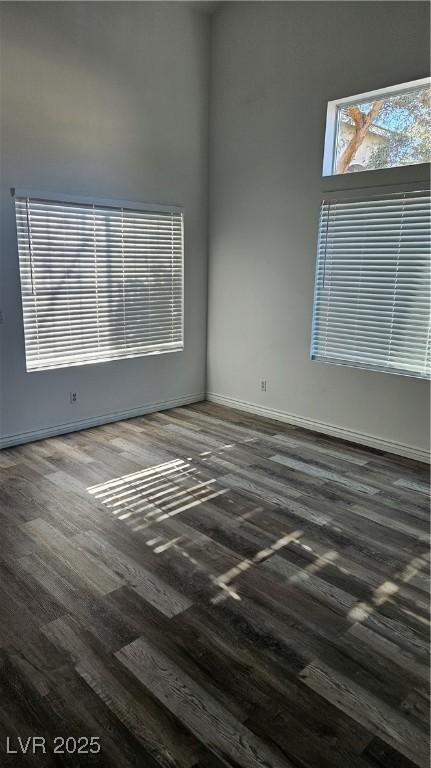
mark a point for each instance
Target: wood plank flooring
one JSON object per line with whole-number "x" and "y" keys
{"x": 203, "y": 588}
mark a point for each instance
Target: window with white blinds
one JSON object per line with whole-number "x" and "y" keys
{"x": 98, "y": 282}
{"x": 372, "y": 293}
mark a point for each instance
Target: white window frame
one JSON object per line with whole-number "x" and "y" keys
{"x": 115, "y": 204}
{"x": 332, "y": 113}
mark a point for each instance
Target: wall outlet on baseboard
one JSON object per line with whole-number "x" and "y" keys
{"x": 263, "y": 385}
{"x": 73, "y": 398}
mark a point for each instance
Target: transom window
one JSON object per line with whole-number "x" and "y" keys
{"x": 386, "y": 128}
{"x": 99, "y": 281}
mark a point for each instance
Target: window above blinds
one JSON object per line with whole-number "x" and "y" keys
{"x": 384, "y": 128}
{"x": 98, "y": 282}
{"x": 372, "y": 293}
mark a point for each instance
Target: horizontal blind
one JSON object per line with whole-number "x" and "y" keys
{"x": 98, "y": 282}
{"x": 372, "y": 294}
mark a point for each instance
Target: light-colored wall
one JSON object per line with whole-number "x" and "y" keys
{"x": 104, "y": 99}
{"x": 274, "y": 68}
{"x": 111, "y": 100}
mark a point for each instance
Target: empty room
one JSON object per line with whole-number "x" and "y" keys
{"x": 215, "y": 338}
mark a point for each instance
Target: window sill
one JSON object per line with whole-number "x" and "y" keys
{"x": 407, "y": 174}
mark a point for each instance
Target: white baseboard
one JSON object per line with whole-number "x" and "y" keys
{"x": 362, "y": 438}
{"x": 389, "y": 446}
{"x": 96, "y": 421}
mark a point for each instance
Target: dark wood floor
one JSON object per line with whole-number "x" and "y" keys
{"x": 206, "y": 588}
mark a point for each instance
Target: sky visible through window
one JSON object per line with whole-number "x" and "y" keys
{"x": 392, "y": 131}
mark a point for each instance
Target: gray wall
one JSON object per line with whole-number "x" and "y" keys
{"x": 110, "y": 99}
{"x": 274, "y": 67}
{"x": 104, "y": 99}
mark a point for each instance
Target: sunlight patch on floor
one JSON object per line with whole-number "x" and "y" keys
{"x": 225, "y": 579}
{"x": 328, "y": 558}
{"x": 387, "y": 589}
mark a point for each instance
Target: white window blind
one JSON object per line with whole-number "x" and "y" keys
{"x": 372, "y": 294}
{"x": 98, "y": 282}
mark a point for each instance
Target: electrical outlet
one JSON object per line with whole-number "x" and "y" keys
{"x": 73, "y": 398}
{"x": 263, "y": 385}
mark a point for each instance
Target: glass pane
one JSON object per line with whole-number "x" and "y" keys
{"x": 385, "y": 133}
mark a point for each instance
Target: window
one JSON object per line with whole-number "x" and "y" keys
{"x": 383, "y": 129}
{"x": 372, "y": 294}
{"x": 98, "y": 281}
